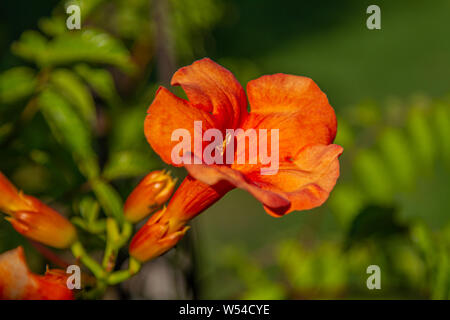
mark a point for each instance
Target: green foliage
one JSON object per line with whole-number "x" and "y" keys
{"x": 89, "y": 45}
{"x": 71, "y": 131}
{"x": 70, "y": 86}
{"x": 16, "y": 83}
{"x": 100, "y": 81}
{"x": 125, "y": 164}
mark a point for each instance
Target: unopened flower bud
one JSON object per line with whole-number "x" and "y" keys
{"x": 155, "y": 238}
{"x": 33, "y": 219}
{"x": 149, "y": 195}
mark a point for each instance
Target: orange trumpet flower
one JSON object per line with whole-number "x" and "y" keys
{"x": 17, "y": 282}
{"x": 294, "y": 105}
{"x": 33, "y": 219}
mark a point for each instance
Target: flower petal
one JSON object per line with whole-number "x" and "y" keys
{"x": 296, "y": 106}
{"x": 17, "y": 282}
{"x": 213, "y": 89}
{"x": 306, "y": 181}
{"x": 302, "y": 184}
{"x": 168, "y": 113}
{"x": 191, "y": 198}
{"x": 213, "y": 175}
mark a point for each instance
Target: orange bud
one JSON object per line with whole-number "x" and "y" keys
{"x": 33, "y": 219}
{"x": 18, "y": 282}
{"x": 150, "y": 194}
{"x": 155, "y": 238}
{"x": 10, "y": 198}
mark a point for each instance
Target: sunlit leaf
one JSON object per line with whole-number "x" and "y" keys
{"x": 399, "y": 157}
{"x": 85, "y": 45}
{"x": 70, "y": 86}
{"x": 441, "y": 122}
{"x": 100, "y": 81}
{"x": 53, "y": 26}
{"x": 69, "y": 129}
{"x": 422, "y": 137}
{"x": 89, "y": 209}
{"x": 374, "y": 176}
{"x": 31, "y": 46}
{"x": 346, "y": 201}
{"x": 16, "y": 83}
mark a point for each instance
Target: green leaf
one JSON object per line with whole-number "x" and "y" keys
{"x": 345, "y": 135}
{"x": 399, "y": 158}
{"x": 100, "y": 81}
{"x": 127, "y": 163}
{"x": 346, "y": 201}
{"x": 16, "y": 83}
{"x": 86, "y": 6}
{"x": 128, "y": 128}
{"x": 56, "y": 24}
{"x": 89, "y": 209}
{"x": 69, "y": 130}
{"x": 53, "y": 26}
{"x": 109, "y": 199}
{"x": 374, "y": 176}
{"x": 31, "y": 46}
{"x": 70, "y": 86}
{"x": 442, "y": 124}
{"x": 422, "y": 135}
{"x": 86, "y": 45}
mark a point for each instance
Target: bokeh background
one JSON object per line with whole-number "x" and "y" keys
{"x": 73, "y": 102}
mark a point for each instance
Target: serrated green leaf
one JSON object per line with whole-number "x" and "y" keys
{"x": 16, "y": 83}
{"x": 100, "y": 80}
{"x": 86, "y": 45}
{"x": 71, "y": 87}
{"x": 69, "y": 130}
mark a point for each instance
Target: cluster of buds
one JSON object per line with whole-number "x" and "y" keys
{"x": 33, "y": 219}
{"x": 166, "y": 227}
{"x": 162, "y": 231}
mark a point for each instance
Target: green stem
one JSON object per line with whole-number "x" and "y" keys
{"x": 80, "y": 253}
{"x": 122, "y": 275}
{"x": 115, "y": 241}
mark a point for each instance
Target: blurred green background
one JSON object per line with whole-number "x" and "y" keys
{"x": 72, "y": 105}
